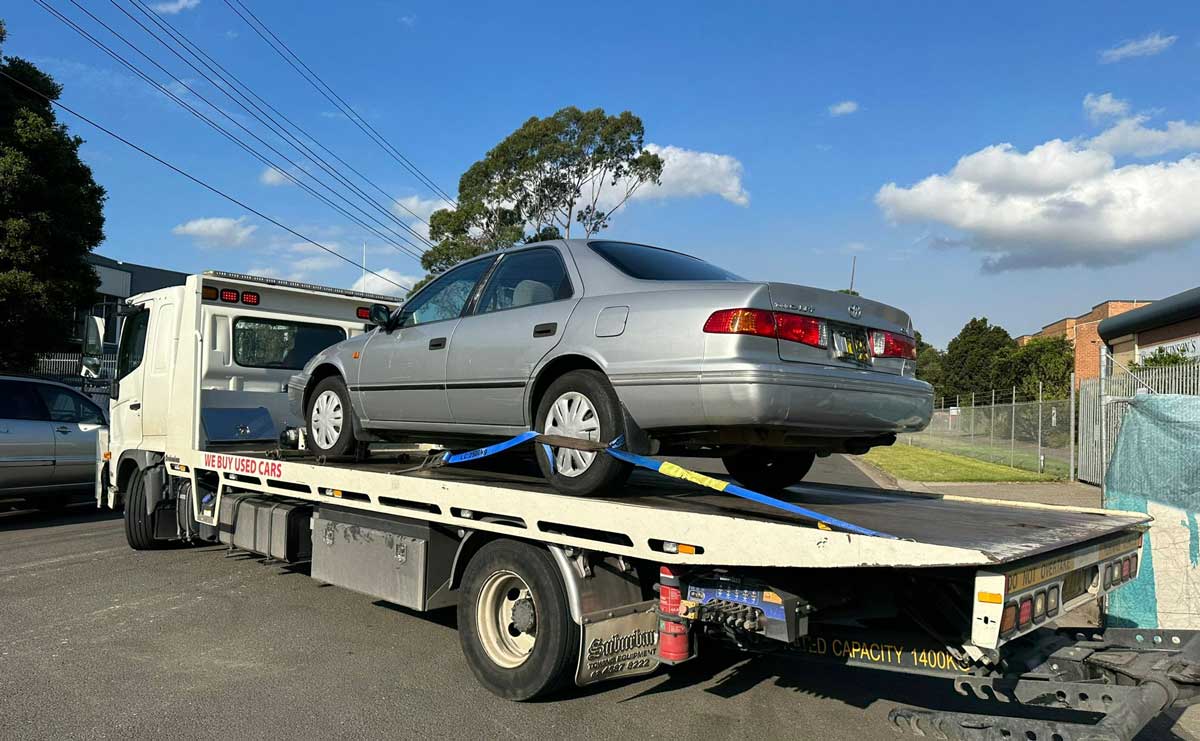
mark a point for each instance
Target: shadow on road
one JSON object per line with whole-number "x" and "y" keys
{"x": 17, "y": 515}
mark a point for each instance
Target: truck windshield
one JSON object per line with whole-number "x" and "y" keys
{"x": 274, "y": 343}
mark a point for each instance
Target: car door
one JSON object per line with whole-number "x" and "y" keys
{"x": 126, "y": 405}
{"x": 402, "y": 373}
{"x": 519, "y": 316}
{"x": 26, "y": 438}
{"x": 75, "y": 420}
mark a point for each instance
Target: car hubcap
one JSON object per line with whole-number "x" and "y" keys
{"x": 572, "y": 415}
{"x": 327, "y": 419}
{"x": 506, "y": 619}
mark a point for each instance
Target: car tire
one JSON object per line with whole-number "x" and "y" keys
{"x": 505, "y": 578}
{"x": 763, "y": 469}
{"x": 139, "y": 526}
{"x": 603, "y": 474}
{"x": 329, "y": 419}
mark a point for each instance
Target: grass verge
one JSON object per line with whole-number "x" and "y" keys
{"x": 921, "y": 464}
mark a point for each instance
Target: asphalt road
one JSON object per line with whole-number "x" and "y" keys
{"x": 100, "y": 641}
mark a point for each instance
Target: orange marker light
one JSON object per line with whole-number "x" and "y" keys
{"x": 354, "y": 354}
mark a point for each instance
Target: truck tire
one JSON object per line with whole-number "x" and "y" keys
{"x": 139, "y": 527}
{"x": 602, "y": 420}
{"x": 766, "y": 470}
{"x": 514, "y": 621}
{"x": 329, "y": 419}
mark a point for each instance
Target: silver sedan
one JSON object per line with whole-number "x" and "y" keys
{"x": 595, "y": 339}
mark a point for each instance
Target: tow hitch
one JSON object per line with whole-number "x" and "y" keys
{"x": 1105, "y": 686}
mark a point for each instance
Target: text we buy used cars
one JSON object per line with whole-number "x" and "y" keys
{"x": 596, "y": 339}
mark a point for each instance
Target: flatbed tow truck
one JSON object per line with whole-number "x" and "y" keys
{"x": 553, "y": 590}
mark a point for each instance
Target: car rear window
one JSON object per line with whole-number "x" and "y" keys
{"x": 273, "y": 343}
{"x": 652, "y": 263}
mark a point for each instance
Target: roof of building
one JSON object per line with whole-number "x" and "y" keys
{"x": 142, "y": 278}
{"x": 1172, "y": 309}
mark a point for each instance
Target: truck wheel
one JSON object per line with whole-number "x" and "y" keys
{"x": 582, "y": 404}
{"x": 761, "y": 469}
{"x": 514, "y": 622}
{"x": 139, "y": 527}
{"x": 330, "y": 419}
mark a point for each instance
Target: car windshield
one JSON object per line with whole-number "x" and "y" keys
{"x": 272, "y": 343}
{"x": 652, "y": 263}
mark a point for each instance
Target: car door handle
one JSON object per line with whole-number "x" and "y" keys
{"x": 135, "y": 406}
{"x": 62, "y": 429}
{"x": 437, "y": 343}
{"x": 545, "y": 330}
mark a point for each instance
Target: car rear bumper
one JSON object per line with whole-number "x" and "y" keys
{"x": 814, "y": 401}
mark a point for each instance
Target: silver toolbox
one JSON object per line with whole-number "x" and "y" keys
{"x": 268, "y": 526}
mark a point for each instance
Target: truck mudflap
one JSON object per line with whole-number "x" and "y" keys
{"x": 621, "y": 642}
{"x": 1094, "y": 687}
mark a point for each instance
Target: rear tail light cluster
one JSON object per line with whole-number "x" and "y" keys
{"x": 229, "y": 295}
{"x": 362, "y": 312}
{"x": 792, "y": 327}
{"x": 892, "y": 345}
{"x": 1120, "y": 571}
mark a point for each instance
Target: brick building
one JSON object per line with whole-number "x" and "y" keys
{"x": 1082, "y": 332}
{"x": 1171, "y": 325}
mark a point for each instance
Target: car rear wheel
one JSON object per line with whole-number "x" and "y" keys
{"x": 762, "y": 469}
{"x": 330, "y": 419}
{"x": 581, "y": 404}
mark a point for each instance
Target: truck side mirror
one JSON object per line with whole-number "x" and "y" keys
{"x": 92, "y": 350}
{"x": 381, "y": 316}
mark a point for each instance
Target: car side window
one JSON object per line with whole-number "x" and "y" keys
{"x": 133, "y": 342}
{"x": 445, "y": 297}
{"x": 526, "y": 278}
{"x": 65, "y": 405}
{"x": 18, "y": 400}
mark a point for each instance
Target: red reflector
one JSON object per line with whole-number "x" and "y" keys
{"x": 229, "y": 296}
{"x": 741, "y": 321}
{"x": 891, "y": 345}
{"x": 250, "y": 298}
{"x": 1026, "y": 615}
{"x": 362, "y": 312}
{"x": 1126, "y": 569}
{"x": 802, "y": 329}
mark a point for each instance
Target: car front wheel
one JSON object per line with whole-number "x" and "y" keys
{"x": 581, "y": 404}
{"x": 765, "y": 470}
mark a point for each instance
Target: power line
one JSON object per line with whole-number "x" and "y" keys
{"x": 321, "y": 87}
{"x": 232, "y": 83}
{"x": 224, "y": 132}
{"x": 198, "y": 181}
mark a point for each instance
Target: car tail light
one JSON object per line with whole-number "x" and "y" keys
{"x": 1008, "y": 618}
{"x": 249, "y": 298}
{"x": 1025, "y": 616}
{"x": 741, "y": 321}
{"x": 763, "y": 323}
{"x": 803, "y": 329}
{"x": 229, "y": 296}
{"x": 892, "y": 345}
{"x": 362, "y": 312}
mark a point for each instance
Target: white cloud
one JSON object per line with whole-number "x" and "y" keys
{"x": 844, "y": 108}
{"x": 1130, "y": 136}
{"x": 411, "y": 207}
{"x": 217, "y": 231}
{"x": 1103, "y": 106}
{"x": 689, "y": 174}
{"x": 230, "y": 35}
{"x": 1146, "y": 46}
{"x": 408, "y": 20}
{"x": 1058, "y": 204}
{"x": 274, "y": 177}
{"x": 370, "y": 283}
{"x": 175, "y": 6}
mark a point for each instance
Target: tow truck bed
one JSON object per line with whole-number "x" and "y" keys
{"x": 948, "y": 530}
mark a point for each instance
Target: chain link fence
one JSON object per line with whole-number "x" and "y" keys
{"x": 1034, "y": 434}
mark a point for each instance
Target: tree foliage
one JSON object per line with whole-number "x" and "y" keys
{"x": 50, "y": 218}
{"x": 571, "y": 170}
{"x": 930, "y": 364}
{"x": 1045, "y": 360}
{"x": 970, "y": 360}
{"x": 1162, "y": 357}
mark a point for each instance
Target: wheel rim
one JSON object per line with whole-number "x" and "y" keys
{"x": 507, "y": 639}
{"x": 573, "y": 415}
{"x": 327, "y": 419}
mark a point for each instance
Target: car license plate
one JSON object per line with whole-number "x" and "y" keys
{"x": 850, "y": 344}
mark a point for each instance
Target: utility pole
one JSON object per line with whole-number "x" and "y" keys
{"x": 1012, "y": 440}
{"x": 853, "y": 265}
{"x": 1041, "y": 460}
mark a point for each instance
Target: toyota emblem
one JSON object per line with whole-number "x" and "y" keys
{"x": 855, "y": 310}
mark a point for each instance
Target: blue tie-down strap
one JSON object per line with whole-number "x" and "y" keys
{"x": 665, "y": 468}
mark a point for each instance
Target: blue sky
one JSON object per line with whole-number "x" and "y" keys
{"x": 979, "y": 159}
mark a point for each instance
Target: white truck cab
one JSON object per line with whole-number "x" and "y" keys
{"x": 242, "y": 336}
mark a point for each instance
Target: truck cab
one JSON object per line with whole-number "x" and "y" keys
{"x": 241, "y": 336}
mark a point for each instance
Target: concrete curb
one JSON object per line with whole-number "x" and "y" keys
{"x": 880, "y": 478}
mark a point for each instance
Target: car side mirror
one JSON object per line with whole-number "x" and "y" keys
{"x": 381, "y": 316}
